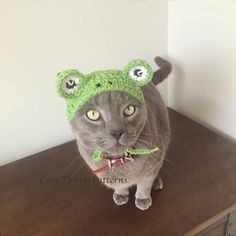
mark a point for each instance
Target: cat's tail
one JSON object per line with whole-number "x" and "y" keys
{"x": 163, "y": 72}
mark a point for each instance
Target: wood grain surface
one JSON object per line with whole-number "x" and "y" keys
{"x": 54, "y": 192}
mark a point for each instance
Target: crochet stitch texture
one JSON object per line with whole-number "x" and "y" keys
{"x": 77, "y": 88}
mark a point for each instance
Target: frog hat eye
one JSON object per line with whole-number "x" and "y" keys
{"x": 70, "y": 85}
{"x": 139, "y": 71}
{"x": 69, "y": 82}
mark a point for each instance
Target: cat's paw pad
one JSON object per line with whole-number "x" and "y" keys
{"x": 120, "y": 199}
{"x": 143, "y": 204}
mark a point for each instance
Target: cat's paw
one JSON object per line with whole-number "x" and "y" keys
{"x": 120, "y": 199}
{"x": 143, "y": 204}
{"x": 157, "y": 184}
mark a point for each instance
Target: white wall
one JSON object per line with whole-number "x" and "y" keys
{"x": 40, "y": 38}
{"x": 202, "y": 45}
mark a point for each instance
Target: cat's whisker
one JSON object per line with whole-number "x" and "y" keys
{"x": 155, "y": 157}
{"x": 142, "y": 143}
{"x": 77, "y": 169}
{"x": 75, "y": 157}
{"x": 145, "y": 135}
{"x": 148, "y": 144}
{"x": 145, "y": 142}
{"x": 167, "y": 159}
{"x": 152, "y": 167}
{"x": 69, "y": 165}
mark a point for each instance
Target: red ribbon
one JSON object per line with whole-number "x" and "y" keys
{"x": 120, "y": 160}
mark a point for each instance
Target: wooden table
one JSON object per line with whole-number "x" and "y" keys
{"x": 54, "y": 193}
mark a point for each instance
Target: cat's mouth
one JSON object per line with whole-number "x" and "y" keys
{"x": 116, "y": 150}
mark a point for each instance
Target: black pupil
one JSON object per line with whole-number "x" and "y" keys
{"x": 98, "y": 85}
{"x": 70, "y": 84}
{"x": 138, "y": 72}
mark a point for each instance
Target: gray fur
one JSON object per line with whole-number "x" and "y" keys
{"x": 149, "y": 127}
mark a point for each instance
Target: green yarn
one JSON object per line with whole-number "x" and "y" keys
{"x": 77, "y": 88}
{"x": 97, "y": 154}
{"x": 144, "y": 151}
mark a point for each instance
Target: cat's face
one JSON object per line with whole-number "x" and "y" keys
{"x": 110, "y": 121}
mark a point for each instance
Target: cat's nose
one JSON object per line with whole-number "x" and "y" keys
{"x": 117, "y": 133}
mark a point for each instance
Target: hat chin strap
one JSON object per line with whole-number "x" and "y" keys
{"x": 129, "y": 155}
{"x": 97, "y": 154}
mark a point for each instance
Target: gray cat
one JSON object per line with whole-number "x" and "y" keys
{"x": 148, "y": 126}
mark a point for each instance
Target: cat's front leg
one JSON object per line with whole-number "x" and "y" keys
{"x": 143, "y": 193}
{"x": 121, "y": 196}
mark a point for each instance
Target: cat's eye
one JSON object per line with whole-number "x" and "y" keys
{"x": 129, "y": 110}
{"x": 93, "y": 115}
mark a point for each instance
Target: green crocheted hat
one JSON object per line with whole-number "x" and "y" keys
{"x": 77, "y": 88}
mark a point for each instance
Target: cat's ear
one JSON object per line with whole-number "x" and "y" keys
{"x": 68, "y": 82}
{"x": 139, "y": 71}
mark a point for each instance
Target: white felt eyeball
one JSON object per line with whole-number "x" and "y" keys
{"x": 138, "y": 73}
{"x": 70, "y": 85}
